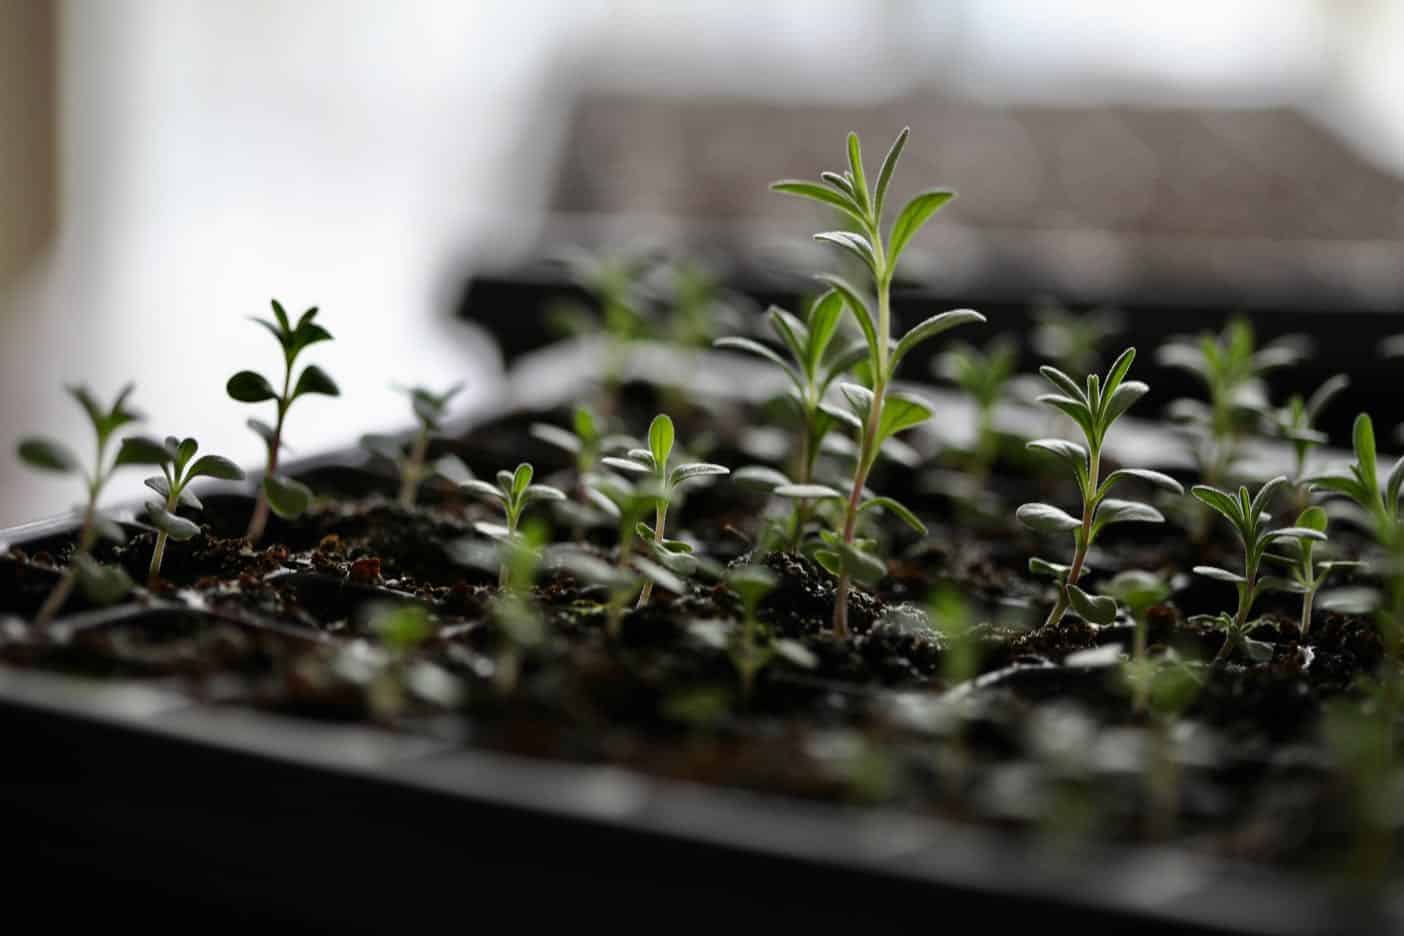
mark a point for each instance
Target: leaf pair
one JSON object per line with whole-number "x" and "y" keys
{"x": 653, "y": 461}
{"x": 1362, "y": 484}
{"x": 515, "y": 492}
{"x": 44, "y": 454}
{"x": 174, "y": 457}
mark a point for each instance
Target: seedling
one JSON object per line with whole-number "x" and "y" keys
{"x": 1139, "y": 591}
{"x": 653, "y": 462}
{"x": 585, "y": 442}
{"x": 812, "y": 368}
{"x": 1231, "y": 367}
{"x": 1249, "y": 519}
{"x": 1094, "y": 409}
{"x": 1073, "y": 340}
{"x": 394, "y": 673}
{"x": 623, "y": 582}
{"x": 750, "y": 644}
{"x": 984, "y": 375}
{"x": 286, "y": 497}
{"x": 1305, "y": 576}
{"x": 1296, "y": 422}
{"x": 102, "y": 583}
{"x": 850, "y": 194}
{"x": 177, "y": 471}
{"x": 514, "y": 492}
{"x": 429, "y": 409}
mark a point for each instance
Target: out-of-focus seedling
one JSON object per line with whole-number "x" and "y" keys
{"x": 1094, "y": 409}
{"x": 623, "y": 582}
{"x": 397, "y": 675}
{"x": 429, "y": 410}
{"x": 173, "y": 456}
{"x": 652, "y": 462}
{"x": 984, "y": 375}
{"x": 1305, "y": 576}
{"x": 1296, "y": 422}
{"x": 1073, "y": 341}
{"x": 812, "y": 368}
{"x": 1249, "y": 519}
{"x": 1139, "y": 591}
{"x": 287, "y": 497}
{"x": 751, "y": 646}
{"x": 514, "y": 492}
{"x": 850, "y": 194}
{"x": 102, "y": 584}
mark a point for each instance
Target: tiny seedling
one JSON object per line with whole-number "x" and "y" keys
{"x": 1296, "y": 422}
{"x": 849, "y": 192}
{"x": 750, "y": 644}
{"x": 812, "y": 368}
{"x": 103, "y": 584}
{"x": 1094, "y": 409}
{"x": 585, "y": 442}
{"x": 396, "y": 674}
{"x": 622, "y": 582}
{"x": 173, "y": 456}
{"x": 1249, "y": 519}
{"x": 1362, "y": 484}
{"x": 1073, "y": 340}
{"x": 984, "y": 375}
{"x": 1139, "y": 591}
{"x": 286, "y": 497}
{"x": 653, "y": 463}
{"x": 1305, "y": 575}
{"x": 429, "y": 409}
{"x": 514, "y": 492}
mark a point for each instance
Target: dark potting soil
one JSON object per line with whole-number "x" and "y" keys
{"x": 1031, "y": 743}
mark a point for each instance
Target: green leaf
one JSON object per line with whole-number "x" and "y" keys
{"x": 856, "y": 244}
{"x": 627, "y": 464}
{"x": 755, "y": 347}
{"x": 690, "y": 472}
{"x": 824, "y": 318}
{"x": 142, "y": 450}
{"x": 1120, "y": 400}
{"x": 889, "y": 165}
{"x": 1053, "y": 570}
{"x": 109, "y": 529}
{"x": 483, "y": 489}
{"x": 1153, "y": 478}
{"x": 1392, "y": 485}
{"x": 281, "y": 315}
{"x": 855, "y": 169}
{"x": 816, "y": 192}
{"x": 1138, "y": 590}
{"x": 315, "y": 380}
{"x": 1323, "y": 396}
{"x": 760, "y": 478}
{"x": 790, "y": 330}
{"x": 839, "y": 182}
{"x": 659, "y": 575}
{"x": 894, "y": 507}
{"x": 1222, "y": 575}
{"x": 185, "y": 451}
{"x": 216, "y": 466}
{"x": 541, "y": 492}
{"x": 288, "y": 498}
{"x": 1221, "y": 502}
{"x": 1064, "y": 384}
{"x": 186, "y": 497}
{"x": 249, "y": 387}
{"x": 660, "y": 440}
{"x": 1341, "y": 484}
{"x": 929, "y": 329}
{"x": 47, "y": 455}
{"x": 262, "y": 430}
{"x": 308, "y": 333}
{"x": 1071, "y": 453}
{"x": 96, "y": 415}
{"x": 901, "y": 411}
{"x": 1313, "y": 518}
{"x": 861, "y": 564}
{"x": 1363, "y": 435}
{"x": 562, "y": 439}
{"x": 1045, "y": 518}
{"x": 912, "y": 218}
{"x": 860, "y": 310}
{"x": 1112, "y": 511}
{"x": 1296, "y": 533}
{"x": 177, "y": 528}
{"x": 1095, "y": 609}
{"x": 521, "y": 479}
{"x": 1265, "y": 494}
{"x": 1075, "y": 410}
{"x": 1117, "y": 372}
{"x": 102, "y": 584}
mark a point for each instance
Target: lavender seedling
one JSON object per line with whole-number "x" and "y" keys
{"x": 514, "y": 492}
{"x": 1139, "y": 591}
{"x": 429, "y": 409}
{"x": 102, "y": 583}
{"x": 850, "y": 194}
{"x": 286, "y": 497}
{"x": 653, "y": 462}
{"x": 1072, "y": 340}
{"x": 1249, "y": 519}
{"x": 623, "y": 582}
{"x": 984, "y": 375}
{"x": 1094, "y": 409}
{"x": 1296, "y": 422}
{"x": 1305, "y": 575}
{"x": 811, "y": 370}
{"x": 749, "y": 643}
{"x": 177, "y": 471}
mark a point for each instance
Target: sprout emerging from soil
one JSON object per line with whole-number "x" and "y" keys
{"x": 104, "y": 585}
{"x": 1139, "y": 591}
{"x": 812, "y": 367}
{"x": 1249, "y": 518}
{"x": 1094, "y": 408}
{"x": 514, "y": 492}
{"x": 984, "y": 375}
{"x": 653, "y": 463}
{"x": 850, "y": 194}
{"x": 623, "y": 582}
{"x": 429, "y": 409}
{"x": 750, "y": 645}
{"x": 287, "y": 498}
{"x": 1305, "y": 576}
{"x": 173, "y": 456}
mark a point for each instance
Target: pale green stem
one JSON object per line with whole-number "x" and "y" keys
{"x": 660, "y": 521}
{"x": 413, "y": 470}
{"x": 259, "y": 520}
{"x": 159, "y": 553}
{"x": 1089, "y": 510}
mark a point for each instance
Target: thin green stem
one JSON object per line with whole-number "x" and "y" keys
{"x": 259, "y": 520}
{"x": 660, "y": 521}
{"x": 1084, "y": 537}
{"x": 159, "y": 553}
{"x": 413, "y": 471}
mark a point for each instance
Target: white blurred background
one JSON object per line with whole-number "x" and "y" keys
{"x": 167, "y": 166}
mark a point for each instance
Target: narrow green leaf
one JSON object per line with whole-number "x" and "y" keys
{"x": 896, "y": 508}
{"x": 889, "y": 165}
{"x": 1045, "y": 518}
{"x": 557, "y": 437}
{"x": 860, "y": 310}
{"x": 521, "y": 478}
{"x": 1153, "y": 478}
{"x": 855, "y": 244}
{"x": 861, "y": 564}
{"x": 824, "y": 318}
{"x": 102, "y": 584}
{"x": 483, "y": 489}
{"x": 47, "y": 455}
{"x": 1117, "y": 372}
{"x": 929, "y": 329}
{"x": 1219, "y": 501}
{"x": 1120, "y": 400}
{"x": 760, "y": 350}
{"x": 281, "y": 315}
{"x": 816, "y": 192}
{"x": 1363, "y": 435}
{"x": 695, "y": 470}
{"x": 808, "y": 492}
{"x": 541, "y": 492}
{"x": 1223, "y": 575}
{"x": 1075, "y": 410}
{"x": 791, "y": 332}
{"x": 1054, "y": 570}
{"x": 760, "y": 478}
{"x": 1064, "y": 384}
{"x": 855, "y": 168}
{"x": 912, "y": 218}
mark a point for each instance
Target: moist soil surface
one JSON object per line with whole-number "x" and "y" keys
{"x": 998, "y": 721}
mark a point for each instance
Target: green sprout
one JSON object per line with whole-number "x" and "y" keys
{"x": 398, "y": 673}
{"x": 1139, "y": 591}
{"x": 653, "y": 462}
{"x": 586, "y": 441}
{"x": 173, "y": 456}
{"x": 811, "y": 370}
{"x": 1094, "y": 409}
{"x": 1231, "y": 368}
{"x": 286, "y": 497}
{"x": 1072, "y": 340}
{"x": 429, "y": 409}
{"x": 1249, "y": 519}
{"x": 850, "y": 194}
{"x": 101, "y": 583}
{"x": 1296, "y": 422}
{"x": 750, "y": 644}
{"x": 622, "y": 582}
{"x": 514, "y": 492}
{"x": 984, "y": 375}
{"x": 1305, "y": 575}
